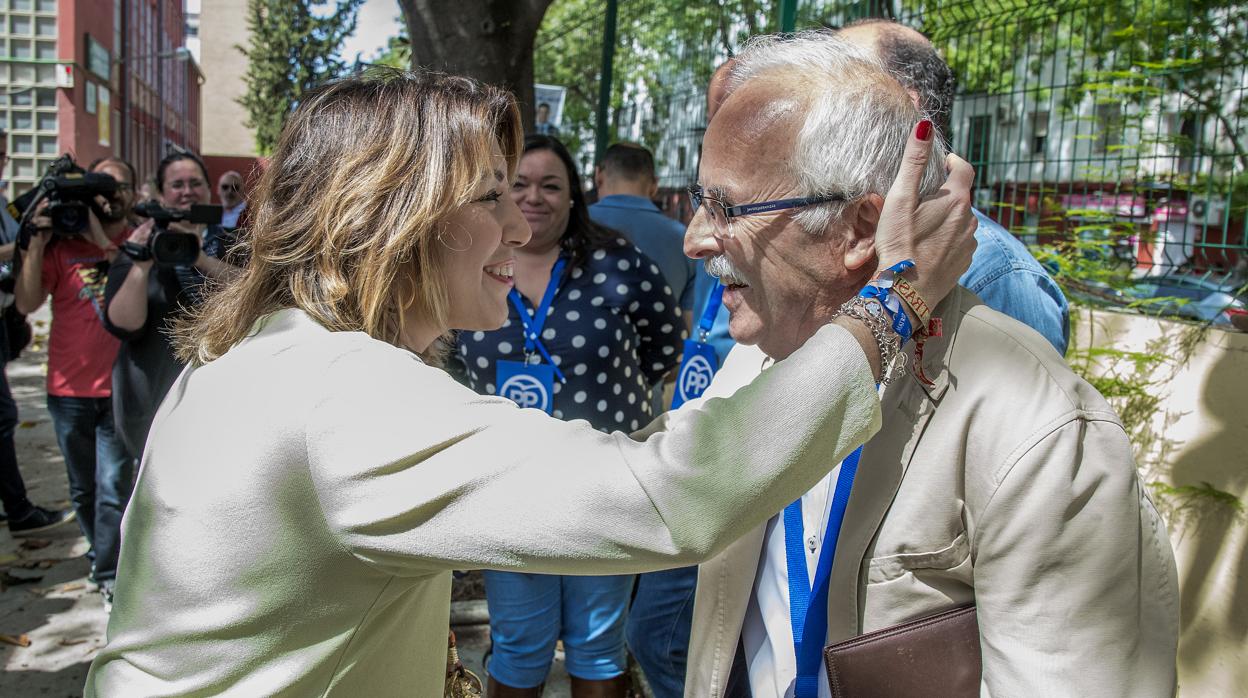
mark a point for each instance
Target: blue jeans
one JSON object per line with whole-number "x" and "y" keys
{"x": 101, "y": 474}
{"x": 530, "y": 612}
{"x": 658, "y": 628}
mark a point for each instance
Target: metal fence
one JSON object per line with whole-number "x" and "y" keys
{"x": 1111, "y": 122}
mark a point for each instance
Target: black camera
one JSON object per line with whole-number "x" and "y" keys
{"x": 169, "y": 247}
{"x": 70, "y": 192}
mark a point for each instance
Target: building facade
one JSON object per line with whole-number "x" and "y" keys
{"x": 228, "y": 142}
{"x": 94, "y": 78}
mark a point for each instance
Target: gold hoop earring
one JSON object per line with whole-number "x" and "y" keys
{"x": 452, "y": 249}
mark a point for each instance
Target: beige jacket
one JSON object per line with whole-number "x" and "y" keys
{"x": 1009, "y": 483}
{"x": 303, "y": 499}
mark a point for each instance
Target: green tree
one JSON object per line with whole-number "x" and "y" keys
{"x": 397, "y": 54}
{"x": 665, "y": 51}
{"x": 294, "y": 46}
{"x": 1119, "y": 51}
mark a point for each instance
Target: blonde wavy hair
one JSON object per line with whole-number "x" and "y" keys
{"x": 346, "y": 217}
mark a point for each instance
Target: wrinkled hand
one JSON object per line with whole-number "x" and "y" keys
{"x": 937, "y": 232}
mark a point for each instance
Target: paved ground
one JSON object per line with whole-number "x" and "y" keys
{"x": 44, "y": 595}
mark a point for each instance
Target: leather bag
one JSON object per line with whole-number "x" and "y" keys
{"x": 934, "y": 656}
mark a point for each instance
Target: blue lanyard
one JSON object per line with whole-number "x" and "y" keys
{"x": 713, "y": 301}
{"x": 533, "y": 324}
{"x": 808, "y": 604}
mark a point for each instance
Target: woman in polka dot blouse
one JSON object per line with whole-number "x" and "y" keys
{"x": 613, "y": 329}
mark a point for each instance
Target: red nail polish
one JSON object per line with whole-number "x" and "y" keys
{"x": 923, "y": 131}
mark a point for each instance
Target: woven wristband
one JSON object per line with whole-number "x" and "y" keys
{"x": 910, "y": 296}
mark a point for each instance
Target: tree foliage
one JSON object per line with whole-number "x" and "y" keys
{"x": 1117, "y": 51}
{"x": 398, "y": 52}
{"x": 294, "y": 46}
{"x": 665, "y": 50}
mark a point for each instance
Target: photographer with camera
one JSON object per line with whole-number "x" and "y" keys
{"x": 24, "y": 518}
{"x": 161, "y": 269}
{"x": 71, "y": 231}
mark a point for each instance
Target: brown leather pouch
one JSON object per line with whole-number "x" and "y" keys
{"x": 933, "y": 656}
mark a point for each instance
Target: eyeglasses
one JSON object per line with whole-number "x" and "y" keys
{"x": 230, "y": 187}
{"x": 722, "y": 214}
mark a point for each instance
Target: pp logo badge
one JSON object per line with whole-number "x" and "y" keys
{"x": 695, "y": 375}
{"x": 526, "y": 391}
{"x": 696, "y": 370}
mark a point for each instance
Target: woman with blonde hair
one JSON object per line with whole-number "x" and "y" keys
{"x": 303, "y": 545}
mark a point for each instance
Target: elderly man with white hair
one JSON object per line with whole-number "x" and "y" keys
{"x": 999, "y": 477}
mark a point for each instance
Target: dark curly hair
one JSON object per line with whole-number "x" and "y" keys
{"x": 583, "y": 236}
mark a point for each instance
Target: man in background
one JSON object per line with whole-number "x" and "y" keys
{"x": 23, "y": 517}
{"x": 71, "y": 268}
{"x": 626, "y": 183}
{"x": 233, "y": 201}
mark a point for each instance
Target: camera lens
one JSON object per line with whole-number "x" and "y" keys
{"x": 172, "y": 248}
{"x": 69, "y": 217}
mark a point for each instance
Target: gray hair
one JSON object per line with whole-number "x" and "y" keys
{"x": 859, "y": 119}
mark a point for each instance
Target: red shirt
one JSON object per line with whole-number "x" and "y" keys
{"x": 80, "y": 350}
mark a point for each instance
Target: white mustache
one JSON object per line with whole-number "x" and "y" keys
{"x": 720, "y": 267}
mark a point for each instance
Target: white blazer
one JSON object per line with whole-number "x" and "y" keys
{"x": 303, "y": 499}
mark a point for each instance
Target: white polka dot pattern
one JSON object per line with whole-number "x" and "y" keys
{"x": 614, "y": 330}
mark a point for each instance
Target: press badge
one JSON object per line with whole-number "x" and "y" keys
{"x": 527, "y": 385}
{"x": 696, "y": 370}
{"x": 700, "y": 362}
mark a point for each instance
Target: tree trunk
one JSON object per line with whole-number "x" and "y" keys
{"x": 490, "y": 40}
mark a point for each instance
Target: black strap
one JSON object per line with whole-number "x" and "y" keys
{"x": 137, "y": 252}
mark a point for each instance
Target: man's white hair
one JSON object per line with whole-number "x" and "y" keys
{"x": 855, "y": 130}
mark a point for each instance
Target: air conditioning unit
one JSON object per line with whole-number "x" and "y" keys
{"x": 1206, "y": 210}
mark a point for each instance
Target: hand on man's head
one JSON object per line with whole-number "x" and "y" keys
{"x": 938, "y": 232}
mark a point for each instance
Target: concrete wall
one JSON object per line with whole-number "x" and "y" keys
{"x": 1199, "y": 435}
{"x": 222, "y": 26}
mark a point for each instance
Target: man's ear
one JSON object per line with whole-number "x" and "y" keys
{"x": 598, "y": 178}
{"x": 653, "y": 189}
{"x": 863, "y": 217}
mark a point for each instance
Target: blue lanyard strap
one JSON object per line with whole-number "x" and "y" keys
{"x": 713, "y": 301}
{"x": 534, "y": 323}
{"x": 808, "y": 603}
